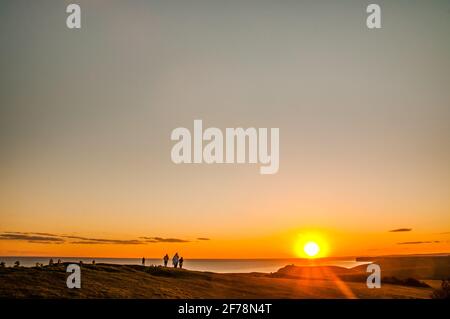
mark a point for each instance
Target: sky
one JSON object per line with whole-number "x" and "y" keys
{"x": 86, "y": 117}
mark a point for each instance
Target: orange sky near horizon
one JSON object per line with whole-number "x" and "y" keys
{"x": 278, "y": 246}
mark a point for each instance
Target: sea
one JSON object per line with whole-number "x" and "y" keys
{"x": 212, "y": 265}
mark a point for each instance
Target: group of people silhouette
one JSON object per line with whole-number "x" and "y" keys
{"x": 177, "y": 261}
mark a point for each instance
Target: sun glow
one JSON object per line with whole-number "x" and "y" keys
{"x": 311, "y": 245}
{"x": 311, "y": 249}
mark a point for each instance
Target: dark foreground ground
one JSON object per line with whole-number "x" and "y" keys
{"x": 131, "y": 281}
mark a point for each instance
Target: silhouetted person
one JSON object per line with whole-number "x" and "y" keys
{"x": 50, "y": 262}
{"x": 175, "y": 260}
{"x": 143, "y": 261}
{"x": 181, "y": 262}
{"x": 166, "y": 260}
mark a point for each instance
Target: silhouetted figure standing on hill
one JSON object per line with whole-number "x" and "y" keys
{"x": 143, "y": 261}
{"x": 166, "y": 260}
{"x": 181, "y": 262}
{"x": 175, "y": 260}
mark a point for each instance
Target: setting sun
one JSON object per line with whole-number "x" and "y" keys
{"x": 311, "y": 249}
{"x": 311, "y": 244}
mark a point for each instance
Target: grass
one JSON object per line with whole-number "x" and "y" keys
{"x": 132, "y": 281}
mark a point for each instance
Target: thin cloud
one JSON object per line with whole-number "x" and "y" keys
{"x": 98, "y": 241}
{"x": 48, "y": 238}
{"x": 418, "y": 242}
{"x": 77, "y": 237}
{"x": 399, "y": 230}
{"x": 203, "y": 238}
{"x": 88, "y": 240}
{"x": 164, "y": 240}
{"x": 31, "y": 233}
{"x": 38, "y": 239}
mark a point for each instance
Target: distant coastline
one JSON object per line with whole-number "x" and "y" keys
{"x": 265, "y": 265}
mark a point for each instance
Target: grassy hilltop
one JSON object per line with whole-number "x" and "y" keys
{"x": 132, "y": 281}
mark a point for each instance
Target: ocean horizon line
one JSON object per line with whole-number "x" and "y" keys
{"x": 195, "y": 258}
{"x": 249, "y": 259}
